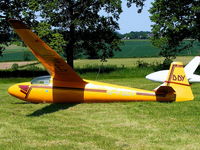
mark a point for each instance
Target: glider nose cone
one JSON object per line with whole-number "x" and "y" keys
{"x": 12, "y": 90}
{"x": 18, "y": 91}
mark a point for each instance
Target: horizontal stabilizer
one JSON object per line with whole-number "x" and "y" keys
{"x": 192, "y": 66}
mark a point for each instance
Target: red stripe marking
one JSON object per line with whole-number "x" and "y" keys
{"x": 24, "y": 87}
{"x": 82, "y": 89}
{"x": 34, "y": 86}
{"x": 171, "y": 73}
{"x": 178, "y": 83}
{"x": 28, "y": 92}
{"x": 145, "y": 94}
{"x": 23, "y": 91}
{"x": 96, "y": 90}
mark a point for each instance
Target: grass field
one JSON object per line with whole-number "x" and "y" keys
{"x": 109, "y": 126}
{"x": 144, "y": 48}
{"x": 130, "y": 49}
{"x": 128, "y": 62}
{"x": 123, "y": 62}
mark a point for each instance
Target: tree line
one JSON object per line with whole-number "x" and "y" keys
{"x": 136, "y": 35}
{"x": 73, "y": 27}
{"x": 76, "y": 27}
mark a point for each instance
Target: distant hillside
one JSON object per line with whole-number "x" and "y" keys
{"x": 17, "y": 53}
{"x": 144, "y": 48}
{"x": 137, "y": 48}
{"x": 130, "y": 48}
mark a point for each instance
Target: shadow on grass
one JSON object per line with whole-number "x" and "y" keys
{"x": 22, "y": 103}
{"x": 51, "y": 109}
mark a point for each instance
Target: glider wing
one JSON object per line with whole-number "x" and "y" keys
{"x": 53, "y": 62}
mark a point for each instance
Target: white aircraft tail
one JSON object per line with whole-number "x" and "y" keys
{"x": 192, "y": 66}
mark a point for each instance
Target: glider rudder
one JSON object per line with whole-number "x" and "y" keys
{"x": 177, "y": 83}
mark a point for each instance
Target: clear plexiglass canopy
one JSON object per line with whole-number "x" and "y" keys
{"x": 41, "y": 80}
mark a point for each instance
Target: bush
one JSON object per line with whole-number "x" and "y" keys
{"x": 164, "y": 66}
{"x": 15, "y": 67}
{"x": 97, "y": 68}
{"x": 141, "y": 64}
{"x": 21, "y": 73}
{"x": 27, "y": 56}
{"x": 33, "y": 68}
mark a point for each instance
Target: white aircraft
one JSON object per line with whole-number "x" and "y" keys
{"x": 160, "y": 76}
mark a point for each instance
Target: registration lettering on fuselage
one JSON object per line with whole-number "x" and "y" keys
{"x": 178, "y": 77}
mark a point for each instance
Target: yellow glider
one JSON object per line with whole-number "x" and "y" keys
{"x": 64, "y": 85}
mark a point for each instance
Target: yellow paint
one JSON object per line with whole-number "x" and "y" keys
{"x": 66, "y": 86}
{"x": 178, "y": 81}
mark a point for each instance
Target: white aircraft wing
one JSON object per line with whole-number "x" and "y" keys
{"x": 194, "y": 78}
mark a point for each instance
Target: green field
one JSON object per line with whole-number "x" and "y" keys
{"x": 109, "y": 126}
{"x": 130, "y": 49}
{"x": 122, "y": 62}
{"x": 144, "y": 48}
{"x": 16, "y": 53}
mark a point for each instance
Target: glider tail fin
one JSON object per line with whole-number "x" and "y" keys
{"x": 176, "y": 87}
{"x": 192, "y": 65}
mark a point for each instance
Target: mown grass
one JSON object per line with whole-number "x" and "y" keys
{"x": 133, "y": 125}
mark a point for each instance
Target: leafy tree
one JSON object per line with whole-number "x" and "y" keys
{"x": 18, "y": 9}
{"x": 76, "y": 25}
{"x": 174, "y": 22}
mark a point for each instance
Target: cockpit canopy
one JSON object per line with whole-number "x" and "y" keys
{"x": 41, "y": 80}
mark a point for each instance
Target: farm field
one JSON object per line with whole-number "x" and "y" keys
{"x": 144, "y": 48}
{"x": 118, "y": 62}
{"x": 109, "y": 126}
{"x": 130, "y": 49}
{"x": 16, "y": 53}
{"x": 128, "y": 62}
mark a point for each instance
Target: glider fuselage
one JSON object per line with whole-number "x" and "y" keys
{"x": 91, "y": 91}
